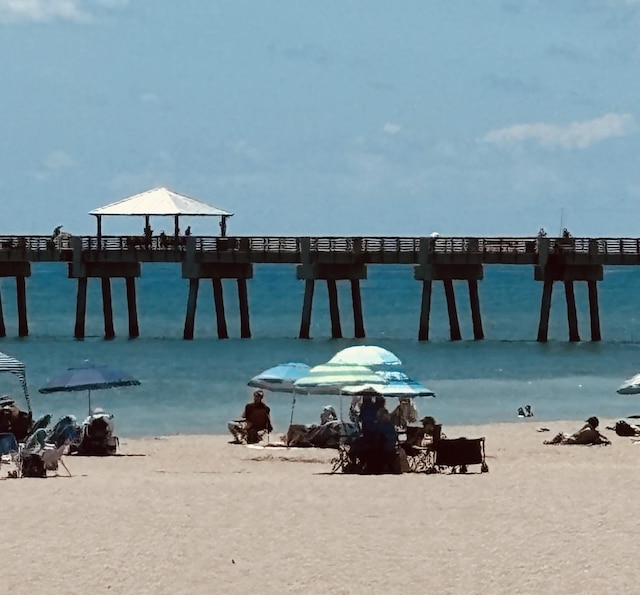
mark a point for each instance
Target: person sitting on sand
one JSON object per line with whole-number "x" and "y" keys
{"x": 328, "y": 414}
{"x": 255, "y": 419}
{"x": 587, "y": 434}
{"x": 405, "y": 413}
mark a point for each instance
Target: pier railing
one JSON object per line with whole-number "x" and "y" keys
{"x": 515, "y": 250}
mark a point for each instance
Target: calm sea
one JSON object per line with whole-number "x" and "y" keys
{"x": 197, "y": 386}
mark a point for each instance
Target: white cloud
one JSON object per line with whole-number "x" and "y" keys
{"x": 48, "y": 10}
{"x": 391, "y": 129}
{"x": 576, "y": 135}
{"x": 54, "y": 163}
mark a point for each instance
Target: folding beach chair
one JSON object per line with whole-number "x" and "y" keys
{"x": 10, "y": 452}
{"x": 52, "y": 456}
{"x": 458, "y": 453}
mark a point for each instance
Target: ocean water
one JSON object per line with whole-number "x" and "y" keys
{"x": 197, "y": 386}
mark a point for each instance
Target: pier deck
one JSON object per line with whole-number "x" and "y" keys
{"x": 330, "y": 259}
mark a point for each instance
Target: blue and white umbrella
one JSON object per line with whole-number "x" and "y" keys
{"x": 280, "y": 378}
{"x": 365, "y": 355}
{"x": 631, "y": 386}
{"x": 16, "y": 367}
{"x": 398, "y": 385}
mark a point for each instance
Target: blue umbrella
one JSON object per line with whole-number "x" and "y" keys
{"x": 280, "y": 378}
{"x": 89, "y": 377}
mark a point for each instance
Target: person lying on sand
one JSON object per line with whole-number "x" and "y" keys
{"x": 587, "y": 434}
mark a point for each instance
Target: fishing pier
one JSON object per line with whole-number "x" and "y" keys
{"x": 565, "y": 261}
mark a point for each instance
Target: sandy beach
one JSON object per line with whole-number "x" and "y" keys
{"x": 195, "y": 514}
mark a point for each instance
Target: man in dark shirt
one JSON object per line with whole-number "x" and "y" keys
{"x": 255, "y": 419}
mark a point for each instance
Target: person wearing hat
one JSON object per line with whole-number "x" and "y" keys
{"x": 327, "y": 415}
{"x": 256, "y": 418}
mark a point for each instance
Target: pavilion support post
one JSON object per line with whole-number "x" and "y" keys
{"x": 81, "y": 308}
{"x": 218, "y": 298}
{"x": 334, "y": 310}
{"x": 356, "y": 300}
{"x": 594, "y": 313}
{"x": 191, "y": 309}
{"x": 107, "y": 308}
{"x": 454, "y": 326}
{"x": 134, "y": 331}
{"x": 425, "y": 311}
{"x": 307, "y": 305}
{"x": 21, "y": 291}
{"x": 243, "y": 300}
{"x": 572, "y": 316}
{"x": 3, "y": 330}
{"x": 545, "y": 310}
{"x": 99, "y": 232}
{"x": 476, "y": 317}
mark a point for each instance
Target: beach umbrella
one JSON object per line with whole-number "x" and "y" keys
{"x": 365, "y": 355}
{"x": 280, "y": 378}
{"x": 398, "y": 385}
{"x": 89, "y": 377}
{"x": 331, "y": 378}
{"x": 631, "y": 386}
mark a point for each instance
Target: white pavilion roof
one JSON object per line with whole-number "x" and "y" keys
{"x": 162, "y": 202}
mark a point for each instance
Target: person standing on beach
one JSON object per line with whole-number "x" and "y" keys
{"x": 255, "y": 419}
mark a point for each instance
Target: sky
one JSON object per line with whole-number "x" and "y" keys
{"x": 324, "y": 117}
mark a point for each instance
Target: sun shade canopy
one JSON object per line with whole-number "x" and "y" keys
{"x": 15, "y": 366}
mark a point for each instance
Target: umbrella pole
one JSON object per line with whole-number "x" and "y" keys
{"x": 89, "y": 391}
{"x": 293, "y": 404}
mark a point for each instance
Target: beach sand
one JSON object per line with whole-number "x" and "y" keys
{"x": 195, "y": 514}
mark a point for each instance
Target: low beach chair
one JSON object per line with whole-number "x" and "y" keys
{"x": 65, "y": 431}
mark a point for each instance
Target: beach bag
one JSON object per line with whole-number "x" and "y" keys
{"x": 624, "y": 429}
{"x": 33, "y": 466}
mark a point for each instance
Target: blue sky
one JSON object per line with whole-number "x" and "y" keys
{"x": 346, "y": 117}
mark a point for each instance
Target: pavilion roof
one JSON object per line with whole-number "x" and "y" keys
{"x": 161, "y": 202}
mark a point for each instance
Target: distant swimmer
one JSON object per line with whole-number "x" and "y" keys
{"x": 525, "y": 411}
